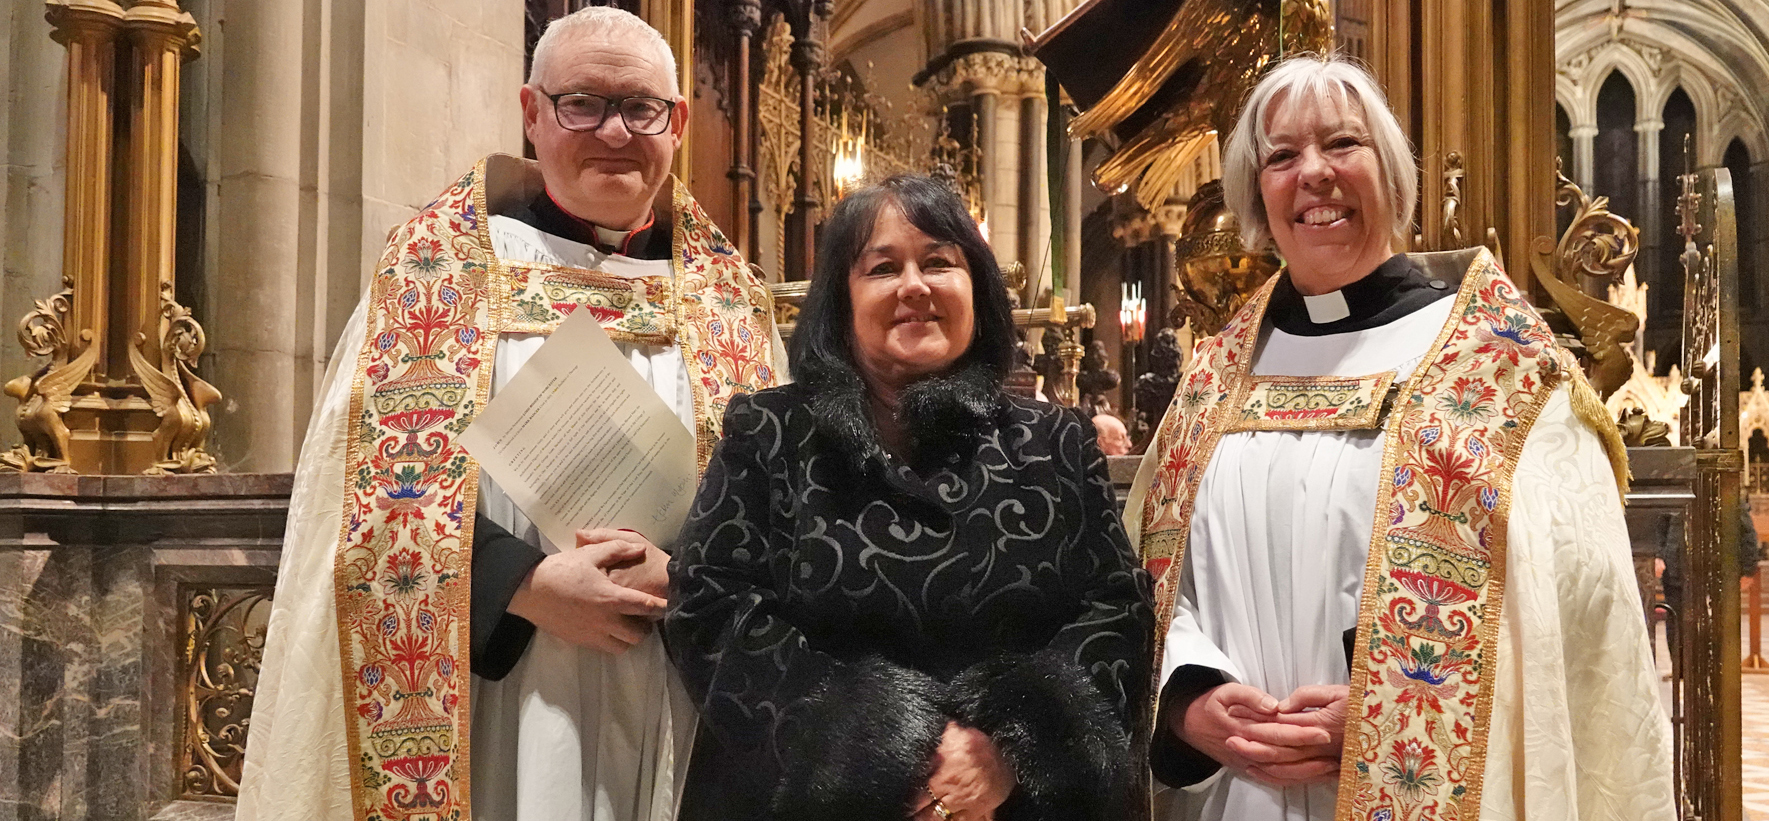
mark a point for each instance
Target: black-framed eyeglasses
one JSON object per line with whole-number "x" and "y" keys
{"x": 580, "y": 111}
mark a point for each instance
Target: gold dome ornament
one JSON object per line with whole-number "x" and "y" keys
{"x": 1179, "y": 78}
{"x": 1214, "y": 270}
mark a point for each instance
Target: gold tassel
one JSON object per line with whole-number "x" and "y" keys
{"x": 1589, "y": 408}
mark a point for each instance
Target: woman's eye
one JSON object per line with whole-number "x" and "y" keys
{"x": 938, "y": 263}
{"x": 1344, "y": 143}
{"x": 882, "y": 269}
{"x": 1281, "y": 155}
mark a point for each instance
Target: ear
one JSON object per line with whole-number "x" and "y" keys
{"x": 679, "y": 122}
{"x": 532, "y": 105}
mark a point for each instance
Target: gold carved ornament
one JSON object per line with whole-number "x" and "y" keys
{"x": 1598, "y": 246}
{"x": 1216, "y": 275}
{"x": 224, "y": 630}
{"x": 1233, "y": 42}
{"x": 178, "y": 396}
{"x": 46, "y": 394}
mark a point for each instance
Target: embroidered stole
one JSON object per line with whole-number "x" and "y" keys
{"x": 438, "y": 301}
{"x": 1423, "y": 665}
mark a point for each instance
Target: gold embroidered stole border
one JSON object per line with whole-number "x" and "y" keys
{"x": 1314, "y": 403}
{"x": 1429, "y": 764}
{"x": 401, "y": 578}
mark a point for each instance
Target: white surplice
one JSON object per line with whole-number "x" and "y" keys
{"x": 569, "y": 734}
{"x": 1274, "y": 570}
{"x": 575, "y": 734}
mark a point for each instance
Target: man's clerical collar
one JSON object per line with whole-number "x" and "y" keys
{"x": 1395, "y": 289}
{"x": 546, "y": 214}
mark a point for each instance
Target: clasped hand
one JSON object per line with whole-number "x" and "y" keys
{"x": 970, "y": 778}
{"x": 604, "y": 595}
{"x": 1285, "y": 743}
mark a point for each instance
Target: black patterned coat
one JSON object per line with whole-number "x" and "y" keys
{"x": 830, "y": 620}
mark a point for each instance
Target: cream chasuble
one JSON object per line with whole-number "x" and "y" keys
{"x": 568, "y": 734}
{"x": 1273, "y": 574}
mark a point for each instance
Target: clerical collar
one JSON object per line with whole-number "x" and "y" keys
{"x": 1395, "y": 289}
{"x": 545, "y": 213}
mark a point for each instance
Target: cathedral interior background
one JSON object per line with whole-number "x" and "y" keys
{"x": 195, "y": 191}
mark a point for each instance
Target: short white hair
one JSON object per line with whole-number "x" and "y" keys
{"x": 601, "y": 22}
{"x": 1315, "y": 78}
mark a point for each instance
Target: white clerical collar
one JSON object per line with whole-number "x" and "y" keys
{"x": 1327, "y": 307}
{"x": 610, "y": 238}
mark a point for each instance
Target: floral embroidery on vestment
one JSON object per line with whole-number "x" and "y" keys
{"x": 1423, "y": 663}
{"x": 437, "y": 303}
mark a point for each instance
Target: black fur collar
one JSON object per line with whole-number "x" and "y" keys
{"x": 942, "y": 413}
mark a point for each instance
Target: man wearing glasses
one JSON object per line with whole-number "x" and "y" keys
{"x": 404, "y": 568}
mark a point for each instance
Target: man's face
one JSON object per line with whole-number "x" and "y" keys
{"x": 608, "y": 175}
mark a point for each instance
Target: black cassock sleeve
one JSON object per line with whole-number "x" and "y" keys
{"x": 500, "y": 563}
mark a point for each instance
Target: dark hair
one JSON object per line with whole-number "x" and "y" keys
{"x": 822, "y": 354}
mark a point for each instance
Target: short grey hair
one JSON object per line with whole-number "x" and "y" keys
{"x": 1315, "y": 77}
{"x": 603, "y": 22}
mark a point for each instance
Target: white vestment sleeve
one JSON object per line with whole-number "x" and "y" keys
{"x": 1578, "y": 731}
{"x": 296, "y": 766}
{"x": 782, "y": 367}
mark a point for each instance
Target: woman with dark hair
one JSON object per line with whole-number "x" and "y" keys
{"x": 903, "y": 593}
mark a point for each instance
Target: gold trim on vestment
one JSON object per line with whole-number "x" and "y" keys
{"x": 1434, "y": 581}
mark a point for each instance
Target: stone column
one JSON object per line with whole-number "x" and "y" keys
{"x": 33, "y": 127}
{"x": 1584, "y": 150}
{"x": 1652, "y": 219}
{"x": 1034, "y": 195}
{"x": 1000, "y": 143}
{"x": 1760, "y": 207}
{"x": 255, "y": 288}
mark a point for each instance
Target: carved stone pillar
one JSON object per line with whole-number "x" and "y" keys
{"x": 1584, "y": 153}
{"x": 1034, "y": 195}
{"x": 1651, "y": 219}
{"x": 1001, "y": 179}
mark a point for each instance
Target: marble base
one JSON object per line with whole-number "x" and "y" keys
{"x": 91, "y": 574}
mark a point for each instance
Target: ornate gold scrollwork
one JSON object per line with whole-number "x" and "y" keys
{"x": 45, "y": 395}
{"x": 1598, "y": 246}
{"x": 179, "y": 398}
{"x": 1238, "y": 43}
{"x": 223, "y": 639}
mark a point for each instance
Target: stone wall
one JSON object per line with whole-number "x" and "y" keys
{"x": 318, "y": 127}
{"x": 131, "y": 612}
{"x": 33, "y": 76}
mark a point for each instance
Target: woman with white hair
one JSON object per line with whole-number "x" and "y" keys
{"x": 1384, "y": 517}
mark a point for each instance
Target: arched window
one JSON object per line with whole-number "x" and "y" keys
{"x": 1616, "y": 161}
{"x": 1667, "y": 279}
{"x": 1750, "y": 234}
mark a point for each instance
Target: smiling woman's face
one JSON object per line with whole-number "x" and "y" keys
{"x": 911, "y": 298}
{"x": 1322, "y": 187}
